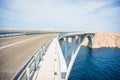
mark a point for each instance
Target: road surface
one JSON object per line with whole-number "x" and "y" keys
{"x": 15, "y": 51}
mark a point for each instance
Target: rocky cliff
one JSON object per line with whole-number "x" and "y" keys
{"x": 105, "y": 39}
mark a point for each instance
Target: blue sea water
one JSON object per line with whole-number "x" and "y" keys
{"x": 96, "y": 64}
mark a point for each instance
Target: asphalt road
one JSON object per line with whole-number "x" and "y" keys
{"x": 15, "y": 51}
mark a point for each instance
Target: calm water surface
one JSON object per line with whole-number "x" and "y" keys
{"x": 96, "y": 64}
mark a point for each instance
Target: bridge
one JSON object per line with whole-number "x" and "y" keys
{"x": 54, "y": 59}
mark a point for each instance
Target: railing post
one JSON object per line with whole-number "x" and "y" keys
{"x": 43, "y": 50}
{"x": 28, "y": 73}
{"x": 36, "y": 63}
{"x": 39, "y": 56}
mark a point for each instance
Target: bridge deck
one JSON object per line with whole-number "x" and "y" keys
{"x": 48, "y": 67}
{"x": 15, "y": 51}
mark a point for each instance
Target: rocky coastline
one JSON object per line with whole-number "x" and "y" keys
{"x": 105, "y": 39}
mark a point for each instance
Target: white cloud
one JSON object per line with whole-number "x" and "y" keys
{"x": 63, "y": 13}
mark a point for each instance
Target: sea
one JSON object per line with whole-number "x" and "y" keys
{"x": 96, "y": 64}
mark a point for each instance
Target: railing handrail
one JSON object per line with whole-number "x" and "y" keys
{"x": 11, "y": 34}
{"x": 28, "y": 62}
{"x": 74, "y": 34}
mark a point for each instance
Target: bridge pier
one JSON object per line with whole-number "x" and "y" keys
{"x": 79, "y": 39}
{"x": 90, "y": 40}
{"x": 71, "y": 49}
{"x": 73, "y": 44}
{"x": 82, "y": 38}
{"x": 66, "y": 47}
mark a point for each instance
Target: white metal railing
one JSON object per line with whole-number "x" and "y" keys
{"x": 28, "y": 69}
{"x": 10, "y": 34}
{"x": 74, "y": 34}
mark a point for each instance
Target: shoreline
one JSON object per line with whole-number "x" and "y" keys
{"x": 102, "y": 47}
{"x": 104, "y": 39}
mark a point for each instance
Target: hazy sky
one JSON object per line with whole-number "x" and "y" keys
{"x": 61, "y": 14}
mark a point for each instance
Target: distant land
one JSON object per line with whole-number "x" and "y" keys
{"x": 30, "y": 29}
{"x": 101, "y": 39}
{"x": 105, "y": 39}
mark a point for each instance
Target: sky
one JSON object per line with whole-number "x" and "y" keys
{"x": 75, "y": 15}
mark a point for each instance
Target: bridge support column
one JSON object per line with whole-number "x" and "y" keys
{"x": 82, "y": 38}
{"x": 73, "y": 45}
{"x": 79, "y": 39}
{"x": 74, "y": 54}
{"x": 71, "y": 50}
{"x": 66, "y": 47}
{"x": 77, "y": 42}
{"x": 90, "y": 39}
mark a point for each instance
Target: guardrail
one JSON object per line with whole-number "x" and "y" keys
{"x": 10, "y": 34}
{"x": 18, "y": 33}
{"x": 74, "y": 34}
{"x": 28, "y": 70}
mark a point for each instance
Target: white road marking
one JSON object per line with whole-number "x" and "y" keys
{"x": 19, "y": 42}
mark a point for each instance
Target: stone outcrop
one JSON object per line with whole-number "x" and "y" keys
{"x": 105, "y": 39}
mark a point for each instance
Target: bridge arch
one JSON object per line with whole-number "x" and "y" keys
{"x": 71, "y": 42}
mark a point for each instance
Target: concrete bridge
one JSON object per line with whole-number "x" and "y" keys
{"x": 55, "y": 59}
{"x": 70, "y": 44}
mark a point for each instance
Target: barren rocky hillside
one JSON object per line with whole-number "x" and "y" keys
{"x": 105, "y": 39}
